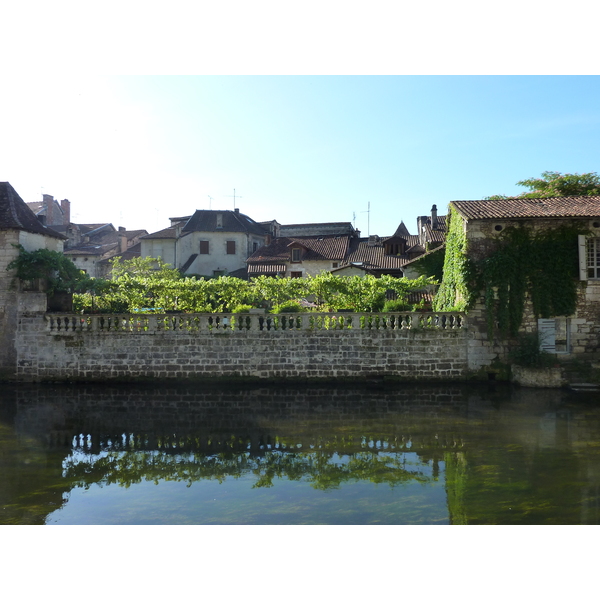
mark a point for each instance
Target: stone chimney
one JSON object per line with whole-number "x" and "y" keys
{"x": 48, "y": 201}
{"x": 66, "y": 209}
{"x": 122, "y": 239}
{"x": 434, "y": 220}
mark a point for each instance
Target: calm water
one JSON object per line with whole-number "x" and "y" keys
{"x": 447, "y": 454}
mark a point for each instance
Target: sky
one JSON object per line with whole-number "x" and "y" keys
{"x": 370, "y": 150}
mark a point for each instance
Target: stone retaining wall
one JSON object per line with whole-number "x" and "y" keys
{"x": 432, "y": 348}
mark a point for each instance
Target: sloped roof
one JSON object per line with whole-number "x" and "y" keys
{"x": 402, "y": 231}
{"x": 265, "y": 269}
{"x": 206, "y": 220}
{"x": 313, "y": 229}
{"x": 170, "y": 233}
{"x": 331, "y": 247}
{"x": 373, "y": 256}
{"x": 15, "y": 214}
{"x": 526, "y": 208}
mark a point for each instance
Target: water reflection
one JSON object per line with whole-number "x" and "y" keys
{"x": 432, "y": 454}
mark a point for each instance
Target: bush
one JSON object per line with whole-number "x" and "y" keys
{"x": 527, "y": 352}
{"x": 396, "y": 306}
{"x": 241, "y": 308}
{"x": 291, "y": 306}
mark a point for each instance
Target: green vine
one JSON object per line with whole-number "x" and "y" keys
{"x": 455, "y": 292}
{"x": 540, "y": 265}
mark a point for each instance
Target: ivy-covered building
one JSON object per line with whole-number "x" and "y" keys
{"x": 528, "y": 264}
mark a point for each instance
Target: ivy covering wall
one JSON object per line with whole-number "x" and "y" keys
{"x": 540, "y": 265}
{"x": 455, "y": 293}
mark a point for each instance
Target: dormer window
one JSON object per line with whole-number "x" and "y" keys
{"x": 296, "y": 255}
{"x": 219, "y": 221}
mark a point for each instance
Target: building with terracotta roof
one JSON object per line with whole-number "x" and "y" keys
{"x": 484, "y": 222}
{"x": 310, "y": 248}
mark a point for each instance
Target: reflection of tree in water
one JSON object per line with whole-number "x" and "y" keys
{"x": 509, "y": 457}
{"x": 324, "y": 470}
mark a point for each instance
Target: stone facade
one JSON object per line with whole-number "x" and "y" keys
{"x": 578, "y": 334}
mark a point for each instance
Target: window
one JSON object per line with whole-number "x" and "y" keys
{"x": 218, "y": 273}
{"x": 230, "y": 247}
{"x": 204, "y": 247}
{"x": 593, "y": 258}
{"x": 589, "y": 257}
{"x": 295, "y": 274}
{"x": 334, "y": 265}
{"x": 219, "y": 221}
{"x": 254, "y": 246}
{"x": 295, "y": 254}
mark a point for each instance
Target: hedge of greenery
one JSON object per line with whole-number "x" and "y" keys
{"x": 138, "y": 285}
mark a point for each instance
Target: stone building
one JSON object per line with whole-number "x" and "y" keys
{"x": 484, "y": 221}
{"x": 18, "y": 227}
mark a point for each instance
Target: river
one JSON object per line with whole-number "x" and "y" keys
{"x": 426, "y": 454}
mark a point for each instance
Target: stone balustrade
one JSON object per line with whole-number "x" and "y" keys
{"x": 207, "y": 323}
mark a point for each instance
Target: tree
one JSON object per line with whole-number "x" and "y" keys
{"x": 552, "y": 184}
{"x": 58, "y": 273}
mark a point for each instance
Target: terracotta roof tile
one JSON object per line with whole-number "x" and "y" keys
{"x": 523, "y": 208}
{"x": 317, "y": 248}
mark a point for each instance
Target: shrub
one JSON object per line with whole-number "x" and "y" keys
{"x": 291, "y": 306}
{"x": 528, "y": 353}
{"x": 396, "y": 306}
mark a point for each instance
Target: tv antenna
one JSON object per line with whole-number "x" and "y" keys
{"x": 210, "y": 199}
{"x": 234, "y": 197}
{"x": 368, "y": 211}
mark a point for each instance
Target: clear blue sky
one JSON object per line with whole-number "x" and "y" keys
{"x": 135, "y": 151}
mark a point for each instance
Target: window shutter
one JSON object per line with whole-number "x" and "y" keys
{"x": 581, "y": 242}
{"x": 547, "y": 333}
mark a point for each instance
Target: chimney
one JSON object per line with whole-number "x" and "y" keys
{"x": 66, "y": 209}
{"x": 122, "y": 240}
{"x": 49, "y": 204}
{"x": 434, "y": 221}
{"x": 237, "y": 211}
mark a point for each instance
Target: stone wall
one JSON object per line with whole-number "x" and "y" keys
{"x": 584, "y": 325}
{"x": 134, "y": 351}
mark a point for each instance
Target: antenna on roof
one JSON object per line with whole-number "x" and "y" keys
{"x": 234, "y": 197}
{"x": 210, "y": 203}
{"x": 368, "y": 211}
{"x": 354, "y": 219}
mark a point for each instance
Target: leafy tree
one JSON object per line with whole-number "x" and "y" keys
{"x": 58, "y": 273}
{"x": 552, "y": 184}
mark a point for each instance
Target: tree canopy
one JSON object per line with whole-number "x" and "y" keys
{"x": 552, "y": 184}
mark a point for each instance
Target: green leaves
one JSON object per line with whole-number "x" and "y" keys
{"x": 150, "y": 285}
{"x": 539, "y": 265}
{"x": 54, "y": 268}
{"x": 553, "y": 184}
{"x": 455, "y": 292}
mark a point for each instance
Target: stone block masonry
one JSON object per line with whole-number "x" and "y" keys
{"x": 205, "y": 347}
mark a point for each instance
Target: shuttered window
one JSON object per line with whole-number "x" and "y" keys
{"x": 230, "y": 247}
{"x": 204, "y": 247}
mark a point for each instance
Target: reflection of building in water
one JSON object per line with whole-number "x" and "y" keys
{"x": 507, "y": 456}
